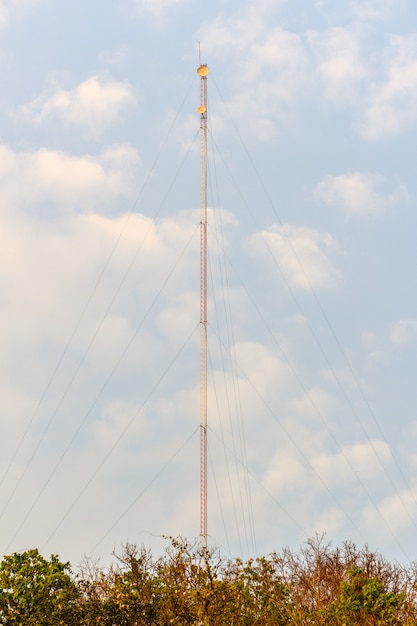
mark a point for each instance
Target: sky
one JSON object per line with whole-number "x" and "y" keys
{"x": 312, "y": 306}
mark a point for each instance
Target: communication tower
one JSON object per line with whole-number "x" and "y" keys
{"x": 202, "y": 72}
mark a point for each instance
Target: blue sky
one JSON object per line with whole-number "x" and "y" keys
{"x": 312, "y": 301}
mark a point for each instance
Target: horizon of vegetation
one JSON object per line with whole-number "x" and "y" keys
{"x": 318, "y": 585}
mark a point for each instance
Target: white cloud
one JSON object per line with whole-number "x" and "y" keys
{"x": 357, "y": 193}
{"x": 301, "y": 254}
{"x": 379, "y": 84}
{"x": 360, "y": 12}
{"x": 3, "y": 14}
{"x": 397, "y": 511}
{"x": 375, "y": 10}
{"x": 391, "y": 106}
{"x": 272, "y": 67}
{"x": 79, "y": 182}
{"x": 404, "y": 332}
{"x": 308, "y": 465}
{"x": 157, "y": 7}
{"x": 61, "y": 215}
{"x": 116, "y": 417}
{"x": 93, "y": 105}
{"x": 363, "y": 461}
{"x": 266, "y": 372}
{"x": 340, "y": 63}
{"x": 47, "y": 272}
{"x": 179, "y": 315}
{"x": 233, "y": 34}
{"x": 316, "y": 405}
{"x": 9, "y": 7}
{"x": 286, "y": 471}
{"x": 332, "y": 519}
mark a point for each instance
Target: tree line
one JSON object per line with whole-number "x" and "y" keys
{"x": 316, "y": 586}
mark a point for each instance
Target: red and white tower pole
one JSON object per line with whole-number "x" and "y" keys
{"x": 202, "y": 71}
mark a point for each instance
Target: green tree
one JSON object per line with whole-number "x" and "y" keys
{"x": 34, "y": 590}
{"x": 135, "y": 595}
{"x": 363, "y": 601}
{"x": 345, "y": 586}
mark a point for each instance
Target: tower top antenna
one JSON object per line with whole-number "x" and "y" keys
{"x": 202, "y": 71}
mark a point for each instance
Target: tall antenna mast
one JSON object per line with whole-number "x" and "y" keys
{"x": 202, "y": 71}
